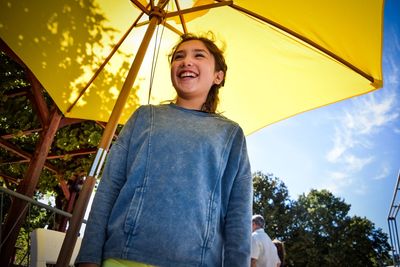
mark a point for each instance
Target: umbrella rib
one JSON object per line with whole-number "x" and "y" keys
{"x": 198, "y": 8}
{"x": 142, "y": 7}
{"x": 172, "y": 28}
{"x": 144, "y": 23}
{"x": 181, "y": 18}
{"x": 304, "y": 39}
{"x": 104, "y": 63}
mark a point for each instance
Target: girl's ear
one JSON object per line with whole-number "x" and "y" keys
{"x": 219, "y": 77}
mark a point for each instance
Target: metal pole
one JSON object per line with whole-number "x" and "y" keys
{"x": 392, "y": 241}
{"x": 37, "y": 203}
{"x": 393, "y": 231}
{"x": 396, "y": 243}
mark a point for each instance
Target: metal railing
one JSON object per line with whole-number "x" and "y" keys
{"x": 49, "y": 212}
{"x": 392, "y": 223}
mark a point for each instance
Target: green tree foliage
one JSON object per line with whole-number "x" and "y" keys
{"x": 364, "y": 244}
{"x": 271, "y": 200}
{"x": 318, "y": 221}
{"x": 317, "y": 228}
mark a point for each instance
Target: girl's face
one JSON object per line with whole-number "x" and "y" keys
{"x": 193, "y": 72}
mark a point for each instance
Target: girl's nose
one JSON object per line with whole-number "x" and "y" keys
{"x": 187, "y": 62}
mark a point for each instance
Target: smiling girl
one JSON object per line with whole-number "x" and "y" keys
{"x": 177, "y": 188}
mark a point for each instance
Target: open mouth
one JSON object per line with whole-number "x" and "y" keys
{"x": 187, "y": 74}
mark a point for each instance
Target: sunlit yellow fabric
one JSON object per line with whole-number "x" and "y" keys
{"x": 271, "y": 74}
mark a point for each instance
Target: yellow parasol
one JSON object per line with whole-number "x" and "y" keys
{"x": 284, "y": 57}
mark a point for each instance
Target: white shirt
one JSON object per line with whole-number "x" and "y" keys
{"x": 263, "y": 250}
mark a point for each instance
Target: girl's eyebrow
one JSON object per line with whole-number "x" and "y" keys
{"x": 201, "y": 50}
{"x": 196, "y": 50}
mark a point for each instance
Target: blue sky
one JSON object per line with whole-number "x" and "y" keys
{"x": 351, "y": 148}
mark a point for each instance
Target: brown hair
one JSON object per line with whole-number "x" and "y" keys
{"x": 208, "y": 40}
{"x": 280, "y": 247}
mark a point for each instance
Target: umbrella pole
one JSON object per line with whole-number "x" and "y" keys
{"x": 79, "y": 211}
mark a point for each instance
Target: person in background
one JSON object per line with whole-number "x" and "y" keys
{"x": 280, "y": 247}
{"x": 263, "y": 251}
{"x": 177, "y": 187}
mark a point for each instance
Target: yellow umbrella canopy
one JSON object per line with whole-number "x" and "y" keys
{"x": 284, "y": 57}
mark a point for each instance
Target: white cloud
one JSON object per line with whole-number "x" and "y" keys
{"x": 370, "y": 114}
{"x": 355, "y": 164}
{"x": 353, "y": 138}
{"x": 338, "y": 149}
{"x": 340, "y": 181}
{"x": 383, "y": 173}
{"x": 367, "y": 116}
{"x": 342, "y": 141}
{"x": 391, "y": 62}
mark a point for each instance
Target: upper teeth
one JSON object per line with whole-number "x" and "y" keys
{"x": 187, "y": 74}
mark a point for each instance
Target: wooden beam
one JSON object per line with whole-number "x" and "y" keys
{"x": 23, "y": 154}
{"x": 68, "y": 121}
{"x": 17, "y": 211}
{"x": 74, "y": 153}
{"x": 70, "y": 204}
{"x": 19, "y": 91}
{"x": 38, "y": 102}
{"x": 14, "y": 149}
{"x": 17, "y": 161}
{"x": 27, "y": 132}
{"x": 102, "y": 124}
{"x": 10, "y": 178}
{"x": 64, "y": 187}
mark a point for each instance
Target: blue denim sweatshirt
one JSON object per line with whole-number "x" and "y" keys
{"x": 176, "y": 191}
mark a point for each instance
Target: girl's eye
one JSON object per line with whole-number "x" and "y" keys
{"x": 199, "y": 55}
{"x": 177, "y": 56}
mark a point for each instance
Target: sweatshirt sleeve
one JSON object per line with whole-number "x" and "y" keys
{"x": 112, "y": 180}
{"x": 237, "y": 230}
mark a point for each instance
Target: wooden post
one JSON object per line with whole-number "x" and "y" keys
{"x": 17, "y": 212}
